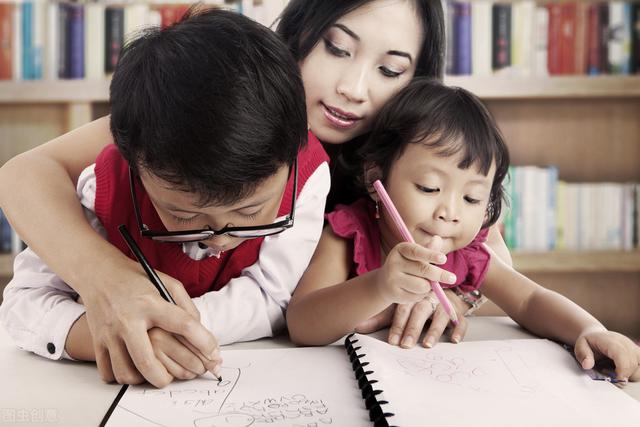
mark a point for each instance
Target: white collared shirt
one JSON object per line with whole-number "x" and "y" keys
{"x": 39, "y": 308}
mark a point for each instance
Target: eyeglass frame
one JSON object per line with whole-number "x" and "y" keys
{"x": 209, "y": 232}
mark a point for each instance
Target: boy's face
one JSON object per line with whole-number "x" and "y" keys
{"x": 361, "y": 61}
{"x": 435, "y": 197}
{"x": 178, "y": 210}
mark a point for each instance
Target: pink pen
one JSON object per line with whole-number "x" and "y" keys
{"x": 402, "y": 228}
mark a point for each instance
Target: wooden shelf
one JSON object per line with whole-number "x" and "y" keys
{"x": 6, "y": 265}
{"x": 66, "y": 91}
{"x": 525, "y": 262}
{"x": 549, "y": 87}
{"x": 577, "y": 262}
{"x": 57, "y": 91}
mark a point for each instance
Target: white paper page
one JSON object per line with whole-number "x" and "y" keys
{"x": 493, "y": 383}
{"x": 276, "y": 387}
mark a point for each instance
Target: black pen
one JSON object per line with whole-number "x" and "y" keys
{"x": 151, "y": 273}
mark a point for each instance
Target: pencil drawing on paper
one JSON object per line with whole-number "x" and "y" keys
{"x": 213, "y": 405}
{"x": 473, "y": 374}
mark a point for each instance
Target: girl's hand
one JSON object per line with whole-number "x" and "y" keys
{"x": 123, "y": 308}
{"x": 625, "y": 354}
{"x": 402, "y": 277}
{"x": 180, "y": 358}
{"x": 410, "y": 319}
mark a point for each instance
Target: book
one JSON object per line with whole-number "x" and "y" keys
{"x": 369, "y": 382}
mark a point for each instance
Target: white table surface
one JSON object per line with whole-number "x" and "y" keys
{"x": 38, "y": 391}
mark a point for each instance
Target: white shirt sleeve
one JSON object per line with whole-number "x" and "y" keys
{"x": 252, "y": 305}
{"x": 38, "y": 308}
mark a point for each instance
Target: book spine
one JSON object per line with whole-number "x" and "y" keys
{"x": 27, "y": 42}
{"x": 114, "y": 36}
{"x": 6, "y": 41}
{"x": 462, "y": 28}
{"x": 635, "y": 38}
{"x": 76, "y": 41}
{"x": 501, "y": 14}
{"x": 63, "y": 52}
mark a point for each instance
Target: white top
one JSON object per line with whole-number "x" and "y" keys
{"x": 39, "y": 308}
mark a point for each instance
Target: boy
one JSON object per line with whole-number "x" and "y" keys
{"x": 209, "y": 121}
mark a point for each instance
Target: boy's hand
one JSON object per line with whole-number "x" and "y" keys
{"x": 402, "y": 277}
{"x": 625, "y": 354}
{"x": 180, "y": 358}
{"x": 123, "y": 308}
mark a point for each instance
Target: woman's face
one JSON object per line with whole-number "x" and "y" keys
{"x": 360, "y": 62}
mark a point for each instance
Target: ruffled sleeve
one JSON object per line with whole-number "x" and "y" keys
{"x": 470, "y": 264}
{"x": 356, "y": 222}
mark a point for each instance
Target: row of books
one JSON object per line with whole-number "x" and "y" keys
{"x": 525, "y": 38}
{"x": 547, "y": 214}
{"x": 41, "y": 39}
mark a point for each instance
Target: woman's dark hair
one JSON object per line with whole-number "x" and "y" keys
{"x": 450, "y": 120}
{"x": 213, "y": 104}
{"x": 304, "y": 22}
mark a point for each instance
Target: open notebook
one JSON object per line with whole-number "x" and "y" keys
{"x": 494, "y": 383}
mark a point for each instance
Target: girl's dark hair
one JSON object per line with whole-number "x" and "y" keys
{"x": 303, "y": 22}
{"x": 450, "y": 120}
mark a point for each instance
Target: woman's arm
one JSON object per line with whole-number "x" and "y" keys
{"x": 497, "y": 244}
{"x": 551, "y": 315}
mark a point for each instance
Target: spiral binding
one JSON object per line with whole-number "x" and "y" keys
{"x": 370, "y": 396}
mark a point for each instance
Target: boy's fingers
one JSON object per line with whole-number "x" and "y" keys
{"x": 436, "y": 329}
{"x": 174, "y": 368}
{"x": 142, "y": 355}
{"x": 584, "y": 354}
{"x": 124, "y": 369}
{"x": 398, "y": 323}
{"x": 177, "y": 321}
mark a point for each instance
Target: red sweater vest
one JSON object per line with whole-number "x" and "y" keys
{"x": 113, "y": 207}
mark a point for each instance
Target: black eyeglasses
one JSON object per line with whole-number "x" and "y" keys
{"x": 186, "y": 236}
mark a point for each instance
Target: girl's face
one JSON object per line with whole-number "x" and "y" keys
{"x": 362, "y": 60}
{"x": 435, "y": 197}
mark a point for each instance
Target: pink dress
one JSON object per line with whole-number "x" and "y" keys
{"x": 357, "y": 223}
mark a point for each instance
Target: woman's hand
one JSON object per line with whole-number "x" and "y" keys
{"x": 121, "y": 307}
{"x": 409, "y": 321}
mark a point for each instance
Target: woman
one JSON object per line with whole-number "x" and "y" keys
{"x": 354, "y": 56}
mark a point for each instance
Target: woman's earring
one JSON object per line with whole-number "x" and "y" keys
{"x": 377, "y": 215}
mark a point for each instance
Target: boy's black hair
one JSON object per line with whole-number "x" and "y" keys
{"x": 450, "y": 120}
{"x": 213, "y": 104}
{"x": 304, "y": 22}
